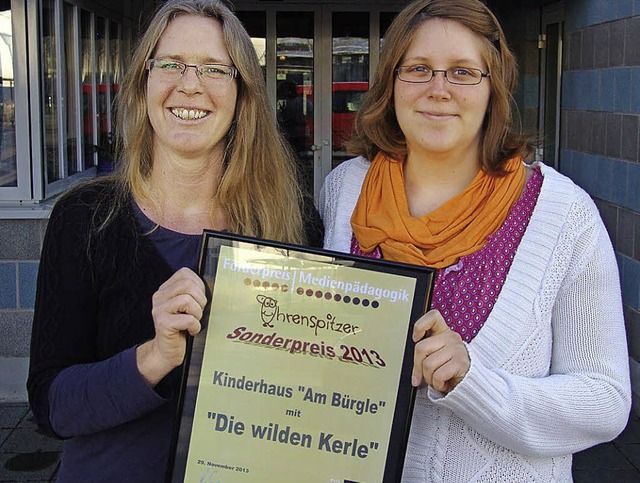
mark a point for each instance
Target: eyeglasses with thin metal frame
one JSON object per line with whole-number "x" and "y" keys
{"x": 172, "y": 70}
{"x": 419, "y": 74}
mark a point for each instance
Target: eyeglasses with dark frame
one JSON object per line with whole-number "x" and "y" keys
{"x": 172, "y": 70}
{"x": 420, "y": 74}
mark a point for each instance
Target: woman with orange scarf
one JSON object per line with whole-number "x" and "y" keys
{"x": 522, "y": 359}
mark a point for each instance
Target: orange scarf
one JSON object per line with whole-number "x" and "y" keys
{"x": 438, "y": 239}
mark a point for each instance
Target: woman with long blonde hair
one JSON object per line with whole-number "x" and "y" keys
{"x": 117, "y": 291}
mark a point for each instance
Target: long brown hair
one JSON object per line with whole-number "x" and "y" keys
{"x": 376, "y": 127}
{"x": 259, "y": 187}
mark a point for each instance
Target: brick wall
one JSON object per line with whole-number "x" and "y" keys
{"x": 600, "y": 136}
{"x": 21, "y": 241}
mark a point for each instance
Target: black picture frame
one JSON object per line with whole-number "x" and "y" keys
{"x": 218, "y": 439}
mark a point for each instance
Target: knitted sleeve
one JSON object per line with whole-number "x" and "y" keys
{"x": 584, "y": 398}
{"x": 328, "y": 201}
{"x": 338, "y": 198}
{"x": 71, "y": 391}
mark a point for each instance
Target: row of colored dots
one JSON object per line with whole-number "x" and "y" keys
{"x": 337, "y": 297}
{"x": 311, "y": 293}
{"x": 266, "y": 285}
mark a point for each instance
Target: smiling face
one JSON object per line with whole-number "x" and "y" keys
{"x": 191, "y": 117}
{"x": 438, "y": 118}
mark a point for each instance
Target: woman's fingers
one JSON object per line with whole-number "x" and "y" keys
{"x": 177, "y": 307}
{"x": 183, "y": 282}
{"x": 430, "y": 323}
{"x": 440, "y": 357}
{"x": 181, "y": 303}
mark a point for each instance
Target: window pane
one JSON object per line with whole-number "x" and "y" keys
{"x": 102, "y": 80}
{"x": 385, "y": 21}
{"x": 115, "y": 48}
{"x": 551, "y": 94}
{"x": 8, "y": 167}
{"x": 86, "y": 36}
{"x": 49, "y": 91}
{"x": 256, "y": 25}
{"x": 350, "y": 54}
{"x": 70, "y": 101}
{"x": 294, "y": 91}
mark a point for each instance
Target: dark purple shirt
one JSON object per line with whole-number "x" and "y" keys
{"x": 178, "y": 249}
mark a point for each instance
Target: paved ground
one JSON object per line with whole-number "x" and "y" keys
{"x": 27, "y": 455}
{"x": 614, "y": 462}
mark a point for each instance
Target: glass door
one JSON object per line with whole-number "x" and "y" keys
{"x": 550, "y": 79}
{"x": 285, "y": 39}
{"x": 14, "y": 175}
{"x": 294, "y": 80}
{"x": 350, "y": 53}
{"x": 317, "y": 62}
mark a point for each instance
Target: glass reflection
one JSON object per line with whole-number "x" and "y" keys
{"x": 8, "y": 166}
{"x": 115, "y": 50}
{"x": 49, "y": 92}
{"x": 102, "y": 79}
{"x": 350, "y": 76}
{"x": 71, "y": 90}
{"x": 294, "y": 86}
{"x": 551, "y": 94}
{"x": 385, "y": 21}
{"x": 256, "y": 25}
{"x": 87, "y": 73}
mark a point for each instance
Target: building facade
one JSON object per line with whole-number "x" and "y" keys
{"x": 61, "y": 62}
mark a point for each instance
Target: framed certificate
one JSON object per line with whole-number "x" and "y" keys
{"x": 302, "y": 369}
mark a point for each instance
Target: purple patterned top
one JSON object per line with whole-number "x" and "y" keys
{"x": 465, "y": 293}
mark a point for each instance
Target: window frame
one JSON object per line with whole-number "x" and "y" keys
{"x": 23, "y": 188}
{"x": 31, "y": 170}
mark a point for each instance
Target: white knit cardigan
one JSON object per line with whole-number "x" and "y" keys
{"x": 549, "y": 371}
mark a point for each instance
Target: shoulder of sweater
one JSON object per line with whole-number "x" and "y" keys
{"x": 354, "y": 167}
{"x": 564, "y": 215}
{"x": 84, "y": 208}
{"x": 348, "y": 173}
{"x": 92, "y": 203}
{"x": 88, "y": 195}
{"x": 561, "y": 190}
{"x": 347, "y": 178}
